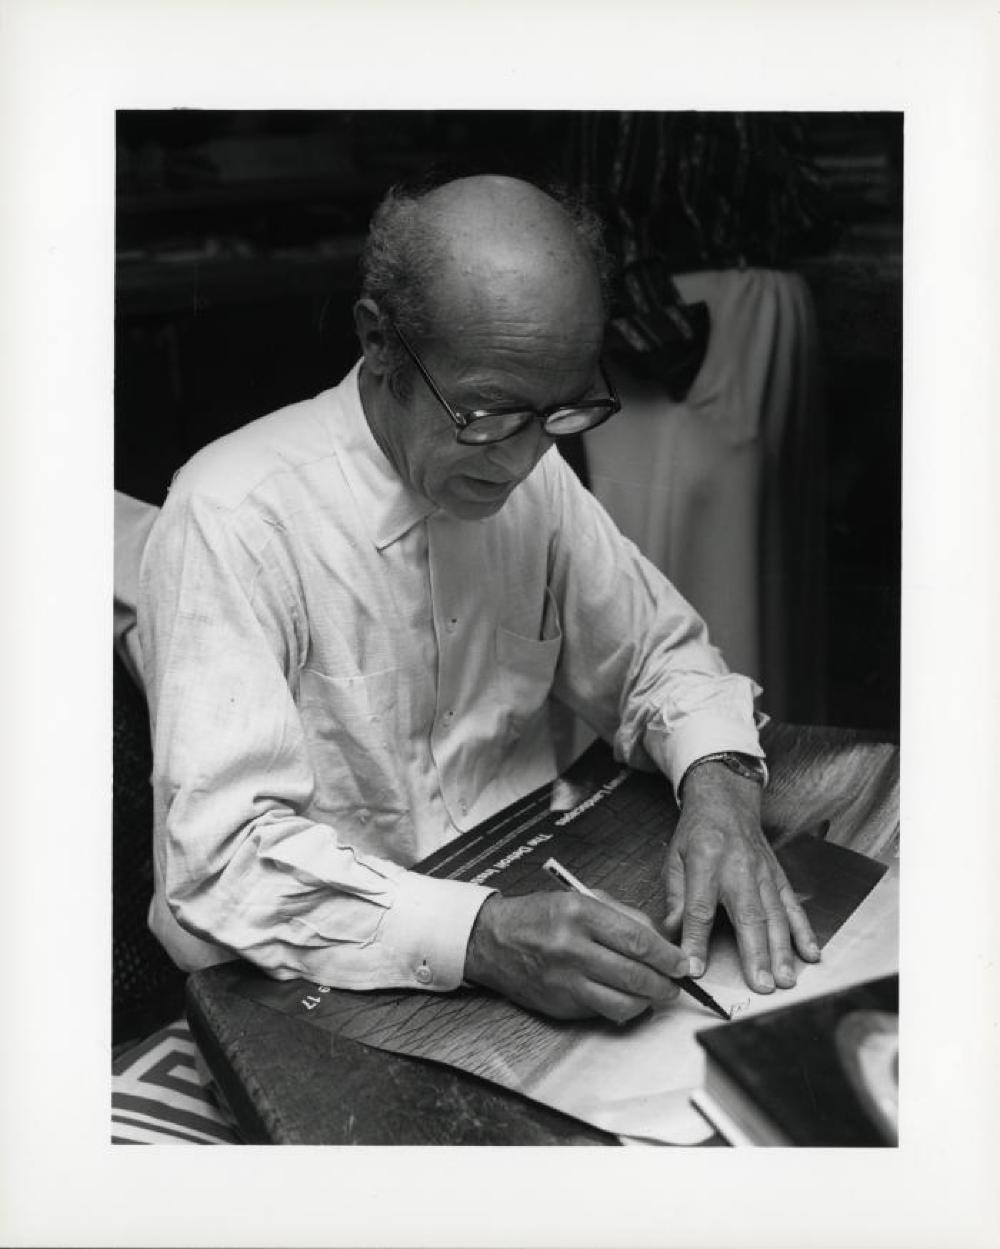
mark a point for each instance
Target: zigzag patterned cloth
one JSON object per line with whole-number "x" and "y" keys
{"x": 161, "y": 1094}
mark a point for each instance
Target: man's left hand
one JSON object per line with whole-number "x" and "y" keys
{"x": 719, "y": 855}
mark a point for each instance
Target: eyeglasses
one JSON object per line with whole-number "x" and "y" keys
{"x": 485, "y": 425}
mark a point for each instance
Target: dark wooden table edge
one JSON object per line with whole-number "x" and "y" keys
{"x": 507, "y": 1118}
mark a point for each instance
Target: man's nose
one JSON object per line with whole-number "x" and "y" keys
{"x": 518, "y": 455}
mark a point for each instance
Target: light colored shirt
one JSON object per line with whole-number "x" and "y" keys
{"x": 343, "y": 678}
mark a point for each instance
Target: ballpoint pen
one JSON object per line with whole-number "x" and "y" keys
{"x": 566, "y": 878}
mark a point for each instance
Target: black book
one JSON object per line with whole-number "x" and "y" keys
{"x": 821, "y": 1072}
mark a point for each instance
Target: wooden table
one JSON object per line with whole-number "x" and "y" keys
{"x": 287, "y": 1082}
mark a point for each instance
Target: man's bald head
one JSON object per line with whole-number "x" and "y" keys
{"x": 505, "y": 245}
{"x": 483, "y": 247}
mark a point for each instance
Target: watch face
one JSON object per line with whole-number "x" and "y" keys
{"x": 746, "y": 765}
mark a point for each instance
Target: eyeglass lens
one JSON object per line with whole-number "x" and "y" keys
{"x": 497, "y": 426}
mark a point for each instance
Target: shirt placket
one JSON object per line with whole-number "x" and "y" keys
{"x": 459, "y": 598}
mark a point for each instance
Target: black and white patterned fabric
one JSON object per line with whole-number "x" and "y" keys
{"x": 161, "y": 1094}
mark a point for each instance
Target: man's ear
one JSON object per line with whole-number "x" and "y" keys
{"x": 371, "y": 335}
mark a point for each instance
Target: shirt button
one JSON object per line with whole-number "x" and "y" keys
{"x": 452, "y": 624}
{"x": 424, "y": 974}
{"x": 463, "y": 806}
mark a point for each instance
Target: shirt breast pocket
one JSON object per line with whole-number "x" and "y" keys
{"x": 347, "y": 722}
{"x": 526, "y": 667}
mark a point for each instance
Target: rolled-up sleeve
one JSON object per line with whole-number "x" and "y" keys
{"x": 239, "y": 864}
{"x": 637, "y": 662}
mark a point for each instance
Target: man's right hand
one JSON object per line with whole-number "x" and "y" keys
{"x": 571, "y": 957}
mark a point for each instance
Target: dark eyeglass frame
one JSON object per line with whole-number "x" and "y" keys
{"x": 465, "y": 422}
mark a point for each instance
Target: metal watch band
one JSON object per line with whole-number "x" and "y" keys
{"x": 748, "y": 766}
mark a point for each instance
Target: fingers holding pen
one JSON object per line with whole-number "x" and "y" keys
{"x": 630, "y": 954}
{"x": 616, "y": 952}
{"x": 570, "y": 956}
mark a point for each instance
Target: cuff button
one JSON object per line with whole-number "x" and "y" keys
{"x": 424, "y": 974}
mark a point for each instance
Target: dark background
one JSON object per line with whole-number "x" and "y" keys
{"x": 238, "y": 236}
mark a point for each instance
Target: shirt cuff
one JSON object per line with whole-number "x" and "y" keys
{"x": 674, "y": 751}
{"x": 426, "y": 930}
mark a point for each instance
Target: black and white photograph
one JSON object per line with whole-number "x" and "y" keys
{"x": 354, "y": 650}
{"x": 529, "y": 661}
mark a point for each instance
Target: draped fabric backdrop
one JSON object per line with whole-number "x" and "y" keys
{"x": 724, "y": 490}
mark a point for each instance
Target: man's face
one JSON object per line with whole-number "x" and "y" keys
{"x": 487, "y": 362}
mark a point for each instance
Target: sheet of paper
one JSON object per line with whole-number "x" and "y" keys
{"x": 639, "y": 1084}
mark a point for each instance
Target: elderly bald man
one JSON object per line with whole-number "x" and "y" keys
{"x": 353, "y": 615}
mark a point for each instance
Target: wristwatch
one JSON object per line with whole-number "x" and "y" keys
{"x": 748, "y": 766}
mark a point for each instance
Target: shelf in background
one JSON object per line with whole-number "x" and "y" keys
{"x": 197, "y": 281}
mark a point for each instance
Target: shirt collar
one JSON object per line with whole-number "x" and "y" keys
{"x": 388, "y": 507}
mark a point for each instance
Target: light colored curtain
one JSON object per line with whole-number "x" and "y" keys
{"x": 725, "y": 491}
